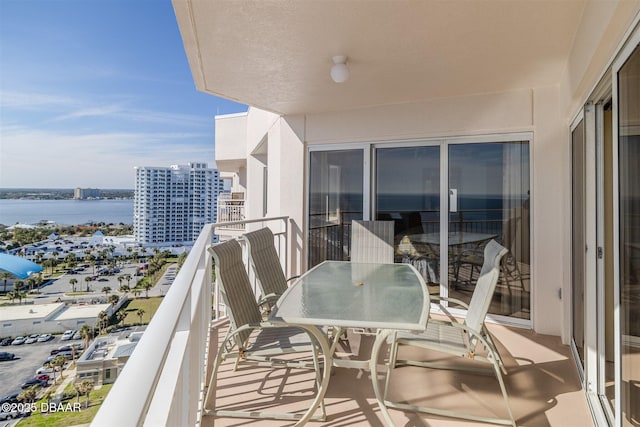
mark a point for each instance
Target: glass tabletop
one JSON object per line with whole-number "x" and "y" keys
{"x": 345, "y": 294}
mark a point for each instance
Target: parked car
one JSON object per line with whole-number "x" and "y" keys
{"x": 31, "y": 339}
{"x": 7, "y": 415}
{"x": 43, "y": 377}
{"x": 59, "y": 349}
{"x": 76, "y": 336}
{"x": 67, "y": 335}
{"x": 44, "y": 370}
{"x": 11, "y": 398}
{"x": 18, "y": 341}
{"x": 45, "y": 337}
{"x": 34, "y": 382}
{"x": 5, "y": 342}
{"x": 7, "y": 356}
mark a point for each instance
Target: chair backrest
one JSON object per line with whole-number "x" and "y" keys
{"x": 372, "y": 241}
{"x": 233, "y": 280}
{"x": 485, "y": 286}
{"x": 265, "y": 261}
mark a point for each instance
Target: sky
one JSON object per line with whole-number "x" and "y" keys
{"x": 89, "y": 89}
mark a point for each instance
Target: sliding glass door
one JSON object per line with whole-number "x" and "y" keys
{"x": 629, "y": 238}
{"x": 489, "y": 192}
{"x": 335, "y": 199}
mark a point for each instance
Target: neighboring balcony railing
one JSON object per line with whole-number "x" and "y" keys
{"x": 162, "y": 383}
{"x": 231, "y": 209}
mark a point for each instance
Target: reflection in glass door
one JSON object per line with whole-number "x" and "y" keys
{"x": 629, "y": 238}
{"x": 408, "y": 192}
{"x": 489, "y": 199}
{"x": 335, "y": 199}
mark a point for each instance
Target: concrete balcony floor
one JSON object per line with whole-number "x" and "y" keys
{"x": 542, "y": 383}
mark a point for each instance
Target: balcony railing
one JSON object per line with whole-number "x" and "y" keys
{"x": 231, "y": 209}
{"x": 162, "y": 383}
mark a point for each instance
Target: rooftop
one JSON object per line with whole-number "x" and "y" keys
{"x": 82, "y": 311}
{"x": 28, "y": 311}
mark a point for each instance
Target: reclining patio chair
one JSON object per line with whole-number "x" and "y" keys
{"x": 266, "y": 265}
{"x": 372, "y": 241}
{"x": 251, "y": 341}
{"x": 460, "y": 338}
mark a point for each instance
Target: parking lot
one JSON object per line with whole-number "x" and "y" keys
{"x": 29, "y": 357}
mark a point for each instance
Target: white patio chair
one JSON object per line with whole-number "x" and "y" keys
{"x": 265, "y": 262}
{"x": 460, "y": 338}
{"x": 251, "y": 341}
{"x": 372, "y": 241}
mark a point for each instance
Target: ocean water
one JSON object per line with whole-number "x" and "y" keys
{"x": 68, "y": 212}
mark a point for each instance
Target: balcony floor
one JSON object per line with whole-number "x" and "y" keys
{"x": 542, "y": 383}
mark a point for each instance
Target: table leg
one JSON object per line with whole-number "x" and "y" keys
{"x": 326, "y": 372}
{"x": 381, "y": 337}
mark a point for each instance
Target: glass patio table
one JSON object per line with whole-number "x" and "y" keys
{"x": 385, "y": 297}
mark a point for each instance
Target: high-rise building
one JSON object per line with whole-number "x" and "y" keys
{"x": 172, "y": 204}
{"x": 86, "y": 193}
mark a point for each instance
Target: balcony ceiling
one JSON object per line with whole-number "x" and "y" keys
{"x": 276, "y": 55}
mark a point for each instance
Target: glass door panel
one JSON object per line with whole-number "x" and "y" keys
{"x": 629, "y": 217}
{"x": 578, "y": 239}
{"x": 407, "y": 183}
{"x": 489, "y": 199}
{"x": 335, "y": 199}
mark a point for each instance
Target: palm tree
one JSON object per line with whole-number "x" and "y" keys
{"x": 120, "y": 279}
{"x": 73, "y": 282}
{"x": 136, "y": 291}
{"x": 5, "y": 275}
{"x": 124, "y": 289}
{"x": 113, "y": 299}
{"x": 120, "y": 316}
{"x": 140, "y": 312}
{"x": 84, "y": 387}
{"x": 87, "y": 279}
{"x": 86, "y": 332}
{"x": 103, "y": 318}
{"x": 147, "y": 285}
{"x": 57, "y": 363}
{"x": 106, "y": 290}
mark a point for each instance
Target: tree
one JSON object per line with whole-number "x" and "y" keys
{"x": 87, "y": 279}
{"x": 86, "y": 332}
{"x": 140, "y": 312}
{"x": 124, "y": 289}
{"x": 106, "y": 290}
{"x": 103, "y": 318}
{"x": 120, "y": 316}
{"x": 136, "y": 291}
{"x": 5, "y": 275}
{"x": 83, "y": 387}
{"x": 57, "y": 363}
{"x": 147, "y": 285}
{"x": 29, "y": 395}
{"x": 73, "y": 282}
{"x": 113, "y": 299}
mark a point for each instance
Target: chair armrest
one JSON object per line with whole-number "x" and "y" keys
{"x": 448, "y": 299}
{"x": 293, "y": 278}
{"x": 269, "y": 299}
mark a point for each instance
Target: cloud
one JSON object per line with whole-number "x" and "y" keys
{"x": 34, "y": 158}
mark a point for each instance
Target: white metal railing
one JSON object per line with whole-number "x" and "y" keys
{"x": 163, "y": 381}
{"x": 231, "y": 210}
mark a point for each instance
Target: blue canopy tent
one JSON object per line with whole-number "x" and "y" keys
{"x": 19, "y": 267}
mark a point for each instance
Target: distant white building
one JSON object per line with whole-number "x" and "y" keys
{"x": 172, "y": 204}
{"x": 86, "y": 193}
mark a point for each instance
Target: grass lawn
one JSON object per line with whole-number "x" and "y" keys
{"x": 149, "y": 305}
{"x": 64, "y": 419}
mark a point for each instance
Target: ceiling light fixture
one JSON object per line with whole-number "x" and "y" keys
{"x": 340, "y": 71}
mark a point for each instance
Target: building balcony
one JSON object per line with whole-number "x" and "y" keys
{"x": 164, "y": 381}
